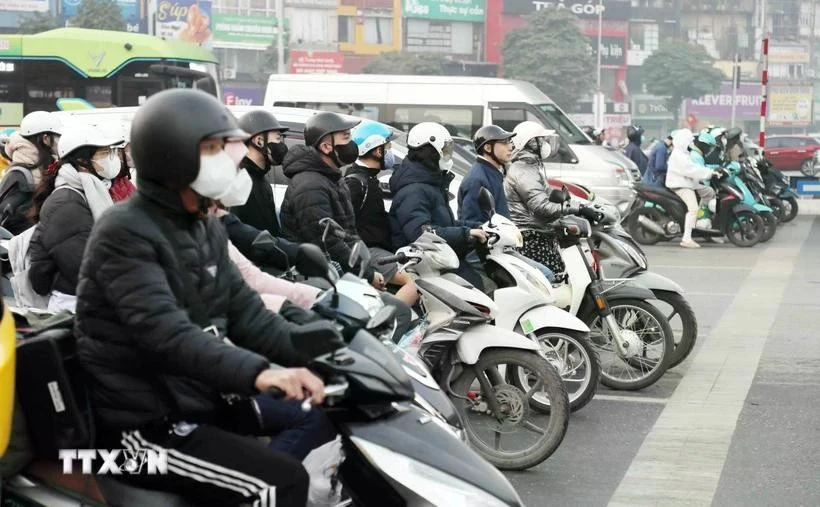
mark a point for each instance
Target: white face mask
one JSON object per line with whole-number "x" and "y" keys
{"x": 108, "y": 167}
{"x": 445, "y": 164}
{"x": 546, "y": 150}
{"x": 238, "y": 191}
{"x": 216, "y": 173}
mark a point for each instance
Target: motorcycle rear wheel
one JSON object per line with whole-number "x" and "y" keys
{"x": 514, "y": 406}
{"x": 744, "y": 229}
{"x": 790, "y": 209}
{"x": 689, "y": 325}
{"x": 769, "y": 226}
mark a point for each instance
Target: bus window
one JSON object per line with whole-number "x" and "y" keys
{"x": 11, "y": 92}
{"x": 366, "y": 111}
{"x": 508, "y": 119}
{"x": 460, "y": 121}
{"x": 561, "y": 123}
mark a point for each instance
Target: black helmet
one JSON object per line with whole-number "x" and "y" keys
{"x": 322, "y": 124}
{"x": 166, "y": 132}
{"x": 259, "y": 121}
{"x": 490, "y": 133}
{"x": 634, "y": 133}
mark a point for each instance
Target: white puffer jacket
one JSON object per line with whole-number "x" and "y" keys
{"x": 682, "y": 172}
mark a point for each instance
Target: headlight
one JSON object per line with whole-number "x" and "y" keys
{"x": 435, "y": 486}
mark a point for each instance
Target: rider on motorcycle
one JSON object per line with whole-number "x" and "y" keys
{"x": 684, "y": 175}
{"x": 159, "y": 359}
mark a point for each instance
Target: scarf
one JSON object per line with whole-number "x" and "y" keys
{"x": 94, "y": 189}
{"x": 121, "y": 188}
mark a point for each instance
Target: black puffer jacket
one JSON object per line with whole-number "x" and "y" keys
{"x": 58, "y": 243}
{"x": 368, "y": 201}
{"x": 146, "y": 359}
{"x": 318, "y": 191}
{"x": 16, "y": 194}
{"x": 260, "y": 209}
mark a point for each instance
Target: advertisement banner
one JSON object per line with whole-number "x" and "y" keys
{"x": 790, "y": 105}
{"x": 719, "y": 105}
{"x": 445, "y": 10}
{"x": 24, "y": 5}
{"x": 246, "y": 29}
{"x": 613, "y": 50}
{"x": 651, "y": 109}
{"x": 133, "y": 12}
{"x": 316, "y": 62}
{"x": 240, "y": 96}
{"x": 788, "y": 54}
{"x": 187, "y": 20}
{"x": 609, "y": 9}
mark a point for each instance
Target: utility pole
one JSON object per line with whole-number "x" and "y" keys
{"x": 735, "y": 85}
{"x": 599, "y": 104}
{"x": 280, "y": 36}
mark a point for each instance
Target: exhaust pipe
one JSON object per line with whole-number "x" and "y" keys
{"x": 652, "y": 226}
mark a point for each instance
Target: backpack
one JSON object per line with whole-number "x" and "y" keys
{"x": 5, "y": 214}
{"x": 362, "y": 179}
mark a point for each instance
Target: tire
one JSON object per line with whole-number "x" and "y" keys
{"x": 582, "y": 345}
{"x": 639, "y": 232}
{"x": 807, "y": 167}
{"x": 559, "y": 408}
{"x": 742, "y": 235}
{"x": 689, "y": 333}
{"x": 667, "y": 340}
{"x": 790, "y": 209}
{"x": 769, "y": 226}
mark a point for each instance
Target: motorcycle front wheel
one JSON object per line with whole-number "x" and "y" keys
{"x": 769, "y": 226}
{"x": 790, "y": 209}
{"x": 572, "y": 354}
{"x": 686, "y": 333}
{"x": 745, "y": 229}
{"x": 496, "y": 412}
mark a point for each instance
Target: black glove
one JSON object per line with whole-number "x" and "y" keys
{"x": 296, "y": 314}
{"x": 591, "y": 214}
{"x": 316, "y": 338}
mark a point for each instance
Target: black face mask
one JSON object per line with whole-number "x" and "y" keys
{"x": 277, "y": 152}
{"x": 346, "y": 153}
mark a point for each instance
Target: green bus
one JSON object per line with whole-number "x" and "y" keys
{"x": 104, "y": 68}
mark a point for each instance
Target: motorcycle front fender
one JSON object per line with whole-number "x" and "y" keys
{"x": 654, "y": 281}
{"x": 788, "y": 193}
{"x": 762, "y": 208}
{"x": 741, "y": 207}
{"x": 550, "y": 317}
{"x": 625, "y": 289}
{"x": 484, "y": 336}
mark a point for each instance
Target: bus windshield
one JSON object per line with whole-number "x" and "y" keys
{"x": 561, "y": 123}
{"x": 106, "y": 69}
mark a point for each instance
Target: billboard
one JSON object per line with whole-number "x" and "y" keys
{"x": 316, "y": 62}
{"x": 472, "y": 11}
{"x": 187, "y": 20}
{"x": 24, "y": 5}
{"x": 133, "y": 13}
{"x": 790, "y": 105}
{"x": 719, "y": 105}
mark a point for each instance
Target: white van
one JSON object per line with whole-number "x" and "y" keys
{"x": 463, "y": 105}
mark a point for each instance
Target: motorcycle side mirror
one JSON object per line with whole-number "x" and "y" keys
{"x": 559, "y": 196}
{"x": 360, "y": 254}
{"x": 311, "y": 262}
{"x": 5, "y": 234}
{"x": 382, "y": 317}
{"x": 486, "y": 202}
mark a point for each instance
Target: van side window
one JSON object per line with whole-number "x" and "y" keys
{"x": 367, "y": 111}
{"x": 461, "y": 121}
{"x": 509, "y": 118}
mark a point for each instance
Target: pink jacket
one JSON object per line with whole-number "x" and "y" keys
{"x": 274, "y": 291}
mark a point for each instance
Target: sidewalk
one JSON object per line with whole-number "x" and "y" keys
{"x": 809, "y": 207}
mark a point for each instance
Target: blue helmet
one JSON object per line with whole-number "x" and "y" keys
{"x": 370, "y": 135}
{"x": 707, "y": 137}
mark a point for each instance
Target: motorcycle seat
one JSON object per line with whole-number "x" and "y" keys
{"x": 663, "y": 191}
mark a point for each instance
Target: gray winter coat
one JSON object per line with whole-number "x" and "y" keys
{"x": 528, "y": 193}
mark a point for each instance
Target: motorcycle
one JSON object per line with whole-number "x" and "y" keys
{"x": 475, "y": 362}
{"x": 658, "y": 213}
{"x": 618, "y": 312}
{"x": 527, "y": 306}
{"x": 777, "y": 185}
{"x": 393, "y": 453}
{"x": 738, "y": 178}
{"x": 619, "y": 256}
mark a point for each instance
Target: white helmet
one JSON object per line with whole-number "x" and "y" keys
{"x": 529, "y": 130}
{"x": 119, "y": 129}
{"x": 435, "y": 135}
{"x": 40, "y": 122}
{"x": 84, "y": 135}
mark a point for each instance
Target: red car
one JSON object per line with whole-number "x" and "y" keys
{"x": 792, "y": 153}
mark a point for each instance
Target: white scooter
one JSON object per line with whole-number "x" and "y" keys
{"x": 633, "y": 338}
{"x": 527, "y": 306}
{"x": 473, "y": 361}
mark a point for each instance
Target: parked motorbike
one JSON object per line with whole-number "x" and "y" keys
{"x": 476, "y": 363}
{"x": 658, "y": 213}
{"x": 527, "y": 306}
{"x": 739, "y": 177}
{"x": 778, "y": 185}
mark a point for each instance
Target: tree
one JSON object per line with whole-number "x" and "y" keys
{"x": 405, "y": 63}
{"x": 679, "y": 70}
{"x": 38, "y": 22}
{"x": 551, "y": 53}
{"x": 269, "y": 62}
{"x": 100, "y": 15}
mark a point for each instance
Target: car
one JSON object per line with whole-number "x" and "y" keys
{"x": 793, "y": 153}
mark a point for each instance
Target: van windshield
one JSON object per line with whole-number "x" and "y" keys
{"x": 559, "y": 122}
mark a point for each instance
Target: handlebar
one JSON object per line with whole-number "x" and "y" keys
{"x": 401, "y": 258}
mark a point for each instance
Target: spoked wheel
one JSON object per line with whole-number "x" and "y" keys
{"x": 650, "y": 342}
{"x": 641, "y": 234}
{"x": 681, "y": 320}
{"x": 769, "y": 226}
{"x": 790, "y": 209}
{"x": 745, "y": 229}
{"x": 777, "y": 208}
{"x": 572, "y": 354}
{"x": 497, "y": 416}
